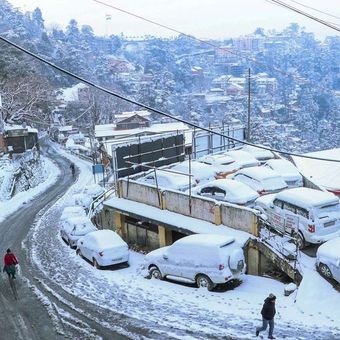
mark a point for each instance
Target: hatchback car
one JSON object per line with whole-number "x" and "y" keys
{"x": 328, "y": 259}
{"x": 72, "y": 211}
{"x": 228, "y": 190}
{"x": 73, "y": 228}
{"x": 204, "y": 259}
{"x": 103, "y": 248}
{"x": 242, "y": 158}
{"x": 261, "y": 155}
{"x": 287, "y": 170}
{"x": 224, "y": 164}
{"x": 261, "y": 179}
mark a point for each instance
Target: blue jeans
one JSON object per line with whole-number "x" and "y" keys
{"x": 265, "y": 323}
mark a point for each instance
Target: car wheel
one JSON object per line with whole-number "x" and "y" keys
{"x": 325, "y": 271}
{"x": 78, "y": 252}
{"x": 204, "y": 281}
{"x": 95, "y": 263}
{"x": 300, "y": 240}
{"x": 155, "y": 273}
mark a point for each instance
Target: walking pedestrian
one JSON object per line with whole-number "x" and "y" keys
{"x": 10, "y": 262}
{"x": 268, "y": 312}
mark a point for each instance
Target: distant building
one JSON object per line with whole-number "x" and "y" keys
{"x": 18, "y": 139}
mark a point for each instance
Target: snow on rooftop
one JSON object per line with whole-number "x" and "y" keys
{"x": 323, "y": 173}
{"x": 71, "y": 93}
{"x": 180, "y": 221}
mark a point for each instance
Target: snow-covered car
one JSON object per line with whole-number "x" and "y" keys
{"x": 228, "y": 190}
{"x": 261, "y": 179}
{"x": 224, "y": 165}
{"x": 74, "y": 227}
{"x": 328, "y": 259}
{"x": 93, "y": 190}
{"x": 200, "y": 172}
{"x": 312, "y": 216}
{"x": 287, "y": 170}
{"x": 103, "y": 248}
{"x": 204, "y": 259}
{"x": 261, "y": 155}
{"x": 242, "y": 158}
{"x": 83, "y": 200}
{"x": 167, "y": 180}
{"x": 72, "y": 211}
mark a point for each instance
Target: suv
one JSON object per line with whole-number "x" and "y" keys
{"x": 204, "y": 259}
{"x": 312, "y": 216}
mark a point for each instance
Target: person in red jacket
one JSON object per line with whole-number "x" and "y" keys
{"x": 10, "y": 263}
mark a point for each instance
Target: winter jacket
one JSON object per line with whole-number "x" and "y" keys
{"x": 10, "y": 259}
{"x": 268, "y": 310}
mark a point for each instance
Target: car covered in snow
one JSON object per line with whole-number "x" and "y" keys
{"x": 204, "y": 259}
{"x": 83, "y": 200}
{"x": 72, "y": 211}
{"x": 224, "y": 165}
{"x": 93, "y": 190}
{"x": 312, "y": 216}
{"x": 287, "y": 170}
{"x": 103, "y": 248}
{"x": 74, "y": 227}
{"x": 167, "y": 180}
{"x": 328, "y": 259}
{"x": 261, "y": 179}
{"x": 242, "y": 158}
{"x": 228, "y": 190}
{"x": 200, "y": 172}
{"x": 261, "y": 155}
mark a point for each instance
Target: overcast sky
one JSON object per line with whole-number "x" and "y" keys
{"x": 202, "y": 18}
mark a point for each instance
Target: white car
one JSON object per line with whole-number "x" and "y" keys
{"x": 72, "y": 211}
{"x": 228, "y": 190}
{"x": 312, "y": 216}
{"x": 167, "y": 180}
{"x": 200, "y": 172}
{"x": 83, "y": 201}
{"x": 242, "y": 158}
{"x": 93, "y": 190}
{"x": 73, "y": 228}
{"x": 261, "y": 155}
{"x": 328, "y": 259}
{"x": 103, "y": 248}
{"x": 223, "y": 164}
{"x": 204, "y": 259}
{"x": 261, "y": 179}
{"x": 287, "y": 170}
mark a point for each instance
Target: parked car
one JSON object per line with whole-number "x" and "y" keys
{"x": 328, "y": 259}
{"x": 167, "y": 180}
{"x": 93, "y": 190}
{"x": 83, "y": 201}
{"x": 204, "y": 259}
{"x": 287, "y": 170}
{"x": 74, "y": 227}
{"x": 261, "y": 155}
{"x": 200, "y": 172}
{"x": 228, "y": 190}
{"x": 242, "y": 158}
{"x": 261, "y": 179}
{"x": 224, "y": 164}
{"x": 103, "y": 248}
{"x": 72, "y": 211}
{"x": 312, "y": 216}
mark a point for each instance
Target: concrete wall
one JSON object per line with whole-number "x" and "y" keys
{"x": 140, "y": 193}
{"x": 239, "y": 218}
{"x": 201, "y": 208}
{"x": 141, "y": 237}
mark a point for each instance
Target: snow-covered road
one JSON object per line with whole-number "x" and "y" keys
{"x": 124, "y": 302}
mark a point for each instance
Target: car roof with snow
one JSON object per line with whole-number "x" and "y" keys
{"x": 330, "y": 249}
{"x": 230, "y": 185}
{"x": 73, "y": 209}
{"x": 218, "y": 158}
{"x": 198, "y": 169}
{"x": 258, "y": 172}
{"x": 78, "y": 220}
{"x": 307, "y": 198}
{"x": 239, "y": 155}
{"x": 282, "y": 166}
{"x": 93, "y": 189}
{"x": 257, "y": 152}
{"x": 205, "y": 240}
{"x": 104, "y": 239}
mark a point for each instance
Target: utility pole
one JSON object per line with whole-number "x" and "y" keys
{"x": 248, "y": 120}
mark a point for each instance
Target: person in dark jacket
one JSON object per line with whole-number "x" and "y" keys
{"x": 268, "y": 312}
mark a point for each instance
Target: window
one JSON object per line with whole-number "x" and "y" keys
{"x": 302, "y": 212}
{"x": 207, "y": 190}
{"x": 289, "y": 207}
{"x": 278, "y": 203}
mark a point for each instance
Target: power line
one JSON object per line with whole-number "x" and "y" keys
{"x": 294, "y": 9}
{"x": 162, "y": 113}
{"x": 315, "y": 9}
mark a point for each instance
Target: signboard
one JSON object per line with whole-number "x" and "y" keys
{"x": 98, "y": 169}
{"x": 292, "y": 223}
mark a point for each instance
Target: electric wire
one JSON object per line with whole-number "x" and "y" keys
{"x": 162, "y": 113}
